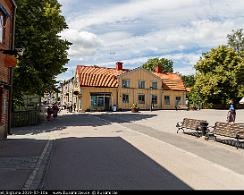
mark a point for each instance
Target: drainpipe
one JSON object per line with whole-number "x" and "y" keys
{"x": 10, "y": 100}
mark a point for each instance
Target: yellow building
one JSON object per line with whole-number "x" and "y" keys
{"x": 100, "y": 88}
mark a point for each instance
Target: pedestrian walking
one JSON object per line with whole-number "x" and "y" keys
{"x": 74, "y": 107}
{"x": 55, "y": 111}
{"x": 49, "y": 113}
{"x": 231, "y": 116}
{"x": 176, "y": 107}
{"x": 68, "y": 107}
{"x": 71, "y": 107}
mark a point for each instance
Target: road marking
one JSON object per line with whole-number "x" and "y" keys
{"x": 34, "y": 179}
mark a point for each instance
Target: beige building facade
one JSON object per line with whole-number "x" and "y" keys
{"x": 100, "y": 88}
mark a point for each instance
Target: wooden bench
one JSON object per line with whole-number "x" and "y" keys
{"x": 193, "y": 124}
{"x": 231, "y": 130}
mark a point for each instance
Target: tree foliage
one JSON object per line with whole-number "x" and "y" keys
{"x": 189, "y": 80}
{"x": 217, "y": 75}
{"x": 236, "y": 40}
{"x": 38, "y": 24}
{"x": 165, "y": 64}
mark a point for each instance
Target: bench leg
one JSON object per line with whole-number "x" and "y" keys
{"x": 237, "y": 144}
{"x": 179, "y": 129}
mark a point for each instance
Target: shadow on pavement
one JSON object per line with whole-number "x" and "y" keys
{"x": 125, "y": 117}
{"x": 64, "y": 121}
{"x": 108, "y": 163}
{"x": 18, "y": 158}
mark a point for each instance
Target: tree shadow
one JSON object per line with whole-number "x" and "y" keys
{"x": 68, "y": 120}
{"x": 125, "y": 117}
{"x": 105, "y": 163}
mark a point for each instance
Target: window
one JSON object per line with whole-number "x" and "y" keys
{"x": 154, "y": 84}
{"x": 3, "y": 17}
{"x": 100, "y": 101}
{"x": 177, "y": 100}
{"x": 1, "y": 27}
{"x": 141, "y": 85}
{"x": 126, "y": 83}
{"x": 154, "y": 99}
{"x": 125, "y": 98}
{"x": 141, "y": 99}
{"x": 167, "y": 100}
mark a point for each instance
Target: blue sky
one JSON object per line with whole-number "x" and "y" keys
{"x": 132, "y": 31}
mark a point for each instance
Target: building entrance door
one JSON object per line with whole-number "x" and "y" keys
{"x": 100, "y": 101}
{"x": 107, "y": 103}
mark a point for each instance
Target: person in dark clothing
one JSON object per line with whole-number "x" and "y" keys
{"x": 55, "y": 111}
{"x": 231, "y": 116}
{"x": 49, "y": 113}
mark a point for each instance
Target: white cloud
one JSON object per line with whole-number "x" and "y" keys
{"x": 140, "y": 29}
{"x": 127, "y": 12}
{"x": 84, "y": 43}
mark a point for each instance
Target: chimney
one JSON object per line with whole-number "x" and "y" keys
{"x": 119, "y": 65}
{"x": 158, "y": 69}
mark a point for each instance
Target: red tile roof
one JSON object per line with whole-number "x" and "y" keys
{"x": 96, "y": 76}
{"x": 171, "y": 81}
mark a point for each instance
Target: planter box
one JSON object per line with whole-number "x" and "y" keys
{"x": 134, "y": 109}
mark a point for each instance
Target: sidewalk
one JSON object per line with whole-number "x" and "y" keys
{"x": 18, "y": 159}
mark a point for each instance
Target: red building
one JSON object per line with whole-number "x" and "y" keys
{"x": 7, "y": 61}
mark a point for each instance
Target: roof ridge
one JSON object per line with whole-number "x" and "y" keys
{"x": 96, "y": 66}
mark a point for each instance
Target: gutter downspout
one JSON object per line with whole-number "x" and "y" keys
{"x": 10, "y": 101}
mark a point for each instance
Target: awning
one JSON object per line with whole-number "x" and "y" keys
{"x": 241, "y": 101}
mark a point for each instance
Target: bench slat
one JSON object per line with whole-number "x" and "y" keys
{"x": 227, "y": 129}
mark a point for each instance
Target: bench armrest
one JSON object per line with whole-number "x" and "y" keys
{"x": 179, "y": 124}
{"x": 210, "y": 128}
{"x": 240, "y": 134}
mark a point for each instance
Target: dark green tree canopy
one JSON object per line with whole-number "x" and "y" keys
{"x": 217, "y": 75}
{"x": 38, "y": 24}
{"x": 189, "y": 80}
{"x": 165, "y": 64}
{"x": 236, "y": 41}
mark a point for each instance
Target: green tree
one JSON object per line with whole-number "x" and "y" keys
{"x": 217, "y": 75}
{"x": 189, "y": 80}
{"x": 236, "y": 40}
{"x": 165, "y": 64}
{"x": 38, "y": 24}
